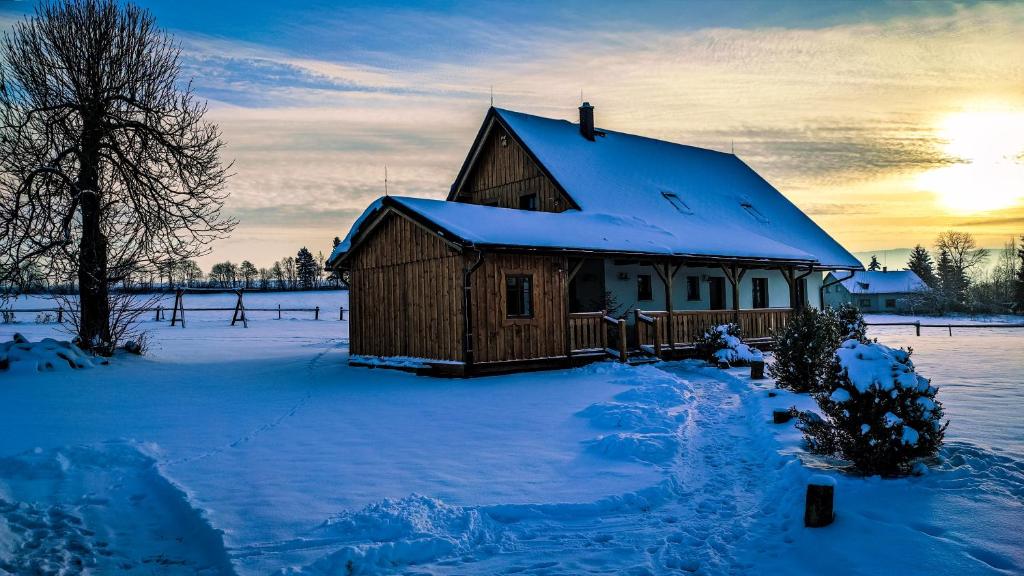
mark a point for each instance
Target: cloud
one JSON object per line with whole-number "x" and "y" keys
{"x": 838, "y": 117}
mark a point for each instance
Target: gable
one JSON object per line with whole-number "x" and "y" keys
{"x": 499, "y": 171}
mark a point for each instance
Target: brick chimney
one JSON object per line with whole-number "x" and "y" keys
{"x": 587, "y": 121}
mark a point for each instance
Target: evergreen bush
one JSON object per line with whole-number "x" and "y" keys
{"x": 879, "y": 413}
{"x": 724, "y": 343}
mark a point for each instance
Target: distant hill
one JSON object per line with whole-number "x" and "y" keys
{"x": 893, "y": 258}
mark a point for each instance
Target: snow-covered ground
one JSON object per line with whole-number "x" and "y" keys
{"x": 259, "y": 450}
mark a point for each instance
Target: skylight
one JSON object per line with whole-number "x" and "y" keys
{"x": 677, "y": 202}
{"x": 749, "y": 207}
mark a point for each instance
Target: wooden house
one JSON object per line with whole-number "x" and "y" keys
{"x": 561, "y": 243}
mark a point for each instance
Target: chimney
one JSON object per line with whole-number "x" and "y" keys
{"x": 587, "y": 121}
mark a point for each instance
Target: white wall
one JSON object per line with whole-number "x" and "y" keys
{"x": 625, "y": 290}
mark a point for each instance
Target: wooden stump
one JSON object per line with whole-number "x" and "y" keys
{"x": 781, "y": 416}
{"x": 818, "y": 511}
{"x": 757, "y": 370}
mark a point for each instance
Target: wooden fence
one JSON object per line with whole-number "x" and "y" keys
{"x": 160, "y": 312}
{"x": 949, "y": 327}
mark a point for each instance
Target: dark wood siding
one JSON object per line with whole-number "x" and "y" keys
{"x": 497, "y": 338}
{"x": 405, "y": 294}
{"x": 504, "y": 172}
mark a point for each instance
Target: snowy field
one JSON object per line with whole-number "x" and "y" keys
{"x": 255, "y": 451}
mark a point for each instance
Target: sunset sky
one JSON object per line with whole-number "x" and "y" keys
{"x": 886, "y": 123}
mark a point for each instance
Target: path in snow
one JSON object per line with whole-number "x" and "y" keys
{"x": 718, "y": 497}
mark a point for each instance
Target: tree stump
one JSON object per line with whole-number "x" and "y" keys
{"x": 782, "y": 415}
{"x": 757, "y": 370}
{"x": 818, "y": 511}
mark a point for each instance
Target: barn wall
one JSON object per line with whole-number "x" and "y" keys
{"x": 497, "y": 338}
{"x": 405, "y": 294}
{"x": 504, "y": 171}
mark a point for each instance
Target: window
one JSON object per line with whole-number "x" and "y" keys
{"x": 519, "y": 296}
{"x": 528, "y": 202}
{"x": 643, "y": 287}
{"x": 693, "y": 288}
{"x": 677, "y": 202}
{"x": 865, "y": 303}
{"x": 760, "y": 292}
{"x": 749, "y": 207}
{"x": 801, "y": 292}
{"x": 890, "y": 302}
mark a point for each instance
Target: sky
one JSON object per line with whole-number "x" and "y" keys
{"x": 886, "y": 122}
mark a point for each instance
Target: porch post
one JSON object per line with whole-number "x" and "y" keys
{"x": 735, "y": 275}
{"x": 667, "y": 274}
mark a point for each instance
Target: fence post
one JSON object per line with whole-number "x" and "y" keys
{"x": 60, "y": 314}
{"x": 341, "y": 312}
{"x": 623, "y": 355}
{"x": 316, "y": 313}
{"x": 278, "y": 311}
{"x": 918, "y": 325}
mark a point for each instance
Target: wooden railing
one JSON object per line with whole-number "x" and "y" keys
{"x": 589, "y": 332}
{"x": 689, "y": 325}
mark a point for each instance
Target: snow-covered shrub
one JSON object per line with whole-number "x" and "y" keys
{"x": 879, "y": 413}
{"x": 804, "y": 348}
{"x": 802, "y": 351}
{"x": 46, "y": 355}
{"x": 848, "y": 323}
{"x": 724, "y": 343}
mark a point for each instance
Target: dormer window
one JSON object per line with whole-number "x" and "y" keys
{"x": 677, "y": 202}
{"x": 747, "y": 205}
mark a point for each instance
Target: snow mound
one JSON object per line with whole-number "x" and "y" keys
{"x": 659, "y": 448}
{"x": 48, "y": 355}
{"x": 397, "y": 532}
{"x": 636, "y": 417}
{"x": 646, "y": 419}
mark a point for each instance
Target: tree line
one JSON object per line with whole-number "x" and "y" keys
{"x": 304, "y": 271}
{"x": 958, "y": 279}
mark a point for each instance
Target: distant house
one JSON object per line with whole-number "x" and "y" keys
{"x": 878, "y": 291}
{"x": 560, "y": 243}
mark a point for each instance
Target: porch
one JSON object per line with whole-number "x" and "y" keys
{"x": 660, "y": 333}
{"x": 662, "y": 307}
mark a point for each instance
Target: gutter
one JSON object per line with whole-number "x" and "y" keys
{"x": 468, "y": 342}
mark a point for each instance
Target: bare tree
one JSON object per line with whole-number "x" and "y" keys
{"x": 107, "y": 167}
{"x": 959, "y": 255}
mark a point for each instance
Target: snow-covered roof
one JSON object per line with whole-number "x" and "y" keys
{"x": 483, "y": 226}
{"x": 635, "y": 195}
{"x": 867, "y": 282}
{"x": 629, "y": 175}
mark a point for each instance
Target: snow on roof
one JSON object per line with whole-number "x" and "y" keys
{"x": 867, "y": 282}
{"x": 715, "y": 193}
{"x": 491, "y": 226}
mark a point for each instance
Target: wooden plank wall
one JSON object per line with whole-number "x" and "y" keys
{"x": 504, "y": 172}
{"x": 497, "y": 338}
{"x": 406, "y": 294}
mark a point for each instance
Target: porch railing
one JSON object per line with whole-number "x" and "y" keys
{"x": 589, "y": 333}
{"x": 689, "y": 325}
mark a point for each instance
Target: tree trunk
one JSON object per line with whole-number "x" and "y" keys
{"x": 94, "y": 304}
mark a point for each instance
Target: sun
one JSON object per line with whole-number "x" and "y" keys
{"x": 988, "y": 171}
